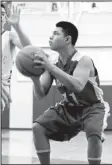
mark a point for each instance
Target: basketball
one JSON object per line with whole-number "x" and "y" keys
{"x": 25, "y": 64}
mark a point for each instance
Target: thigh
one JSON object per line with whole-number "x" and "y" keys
{"x": 96, "y": 121}
{"x": 57, "y": 123}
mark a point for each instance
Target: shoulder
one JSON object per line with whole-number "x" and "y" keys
{"x": 86, "y": 62}
{"x": 78, "y": 55}
{"x": 86, "y": 59}
{"x": 82, "y": 58}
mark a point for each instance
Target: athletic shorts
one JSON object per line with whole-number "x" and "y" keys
{"x": 64, "y": 121}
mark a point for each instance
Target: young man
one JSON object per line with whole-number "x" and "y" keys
{"x": 9, "y": 42}
{"x": 82, "y": 107}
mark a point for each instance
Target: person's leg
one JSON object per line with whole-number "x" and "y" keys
{"x": 54, "y": 124}
{"x": 94, "y": 126}
{"x": 46, "y": 127}
{"x": 41, "y": 142}
{"x": 94, "y": 149}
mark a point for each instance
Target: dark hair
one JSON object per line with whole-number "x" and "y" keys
{"x": 69, "y": 29}
{"x": 3, "y": 6}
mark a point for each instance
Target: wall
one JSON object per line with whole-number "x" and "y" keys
{"x": 95, "y": 40}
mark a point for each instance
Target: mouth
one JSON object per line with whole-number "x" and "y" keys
{"x": 50, "y": 42}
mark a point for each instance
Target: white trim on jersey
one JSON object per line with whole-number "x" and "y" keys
{"x": 98, "y": 91}
{"x": 77, "y": 56}
{"x": 74, "y": 98}
{"x": 107, "y": 114}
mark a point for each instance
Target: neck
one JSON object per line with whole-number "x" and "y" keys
{"x": 66, "y": 53}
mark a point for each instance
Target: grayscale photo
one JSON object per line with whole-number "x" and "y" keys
{"x": 56, "y": 82}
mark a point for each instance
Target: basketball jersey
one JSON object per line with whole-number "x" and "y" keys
{"x": 92, "y": 93}
{"x": 7, "y": 56}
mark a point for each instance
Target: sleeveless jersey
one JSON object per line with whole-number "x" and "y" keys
{"x": 92, "y": 93}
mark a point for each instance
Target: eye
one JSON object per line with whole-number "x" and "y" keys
{"x": 56, "y": 33}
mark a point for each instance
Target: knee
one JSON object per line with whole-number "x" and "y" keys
{"x": 94, "y": 139}
{"x": 37, "y": 128}
{"x": 92, "y": 132}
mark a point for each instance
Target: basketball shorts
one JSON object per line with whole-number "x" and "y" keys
{"x": 64, "y": 121}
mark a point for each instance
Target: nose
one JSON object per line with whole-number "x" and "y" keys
{"x": 51, "y": 38}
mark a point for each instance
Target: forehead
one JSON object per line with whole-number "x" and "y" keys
{"x": 59, "y": 30}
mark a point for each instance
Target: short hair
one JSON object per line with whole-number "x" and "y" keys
{"x": 3, "y": 6}
{"x": 69, "y": 29}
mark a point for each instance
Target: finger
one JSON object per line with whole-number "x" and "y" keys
{"x": 13, "y": 9}
{"x": 7, "y": 94}
{"x": 37, "y": 54}
{"x": 19, "y": 10}
{"x": 38, "y": 66}
{"x": 16, "y": 9}
{"x": 38, "y": 57}
{"x": 38, "y": 61}
{"x": 6, "y": 83}
{"x": 5, "y": 99}
{"x": 40, "y": 52}
{"x": 3, "y": 105}
{"x": 6, "y": 18}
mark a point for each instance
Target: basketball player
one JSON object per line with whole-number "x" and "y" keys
{"x": 82, "y": 107}
{"x": 9, "y": 41}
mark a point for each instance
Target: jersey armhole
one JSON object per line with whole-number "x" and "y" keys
{"x": 96, "y": 74}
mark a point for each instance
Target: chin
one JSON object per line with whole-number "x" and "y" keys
{"x": 52, "y": 48}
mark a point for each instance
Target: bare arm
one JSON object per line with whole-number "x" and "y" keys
{"x": 14, "y": 39}
{"x": 78, "y": 80}
{"x": 42, "y": 84}
{"x": 14, "y": 21}
{"x": 23, "y": 38}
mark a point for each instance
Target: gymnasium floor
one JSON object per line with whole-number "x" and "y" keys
{"x": 18, "y": 148}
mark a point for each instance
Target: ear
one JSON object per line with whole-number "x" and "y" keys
{"x": 68, "y": 39}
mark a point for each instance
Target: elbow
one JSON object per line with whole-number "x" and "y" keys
{"x": 38, "y": 97}
{"x": 77, "y": 88}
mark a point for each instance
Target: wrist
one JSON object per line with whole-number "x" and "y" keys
{"x": 17, "y": 26}
{"x": 34, "y": 78}
{"x": 49, "y": 66}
